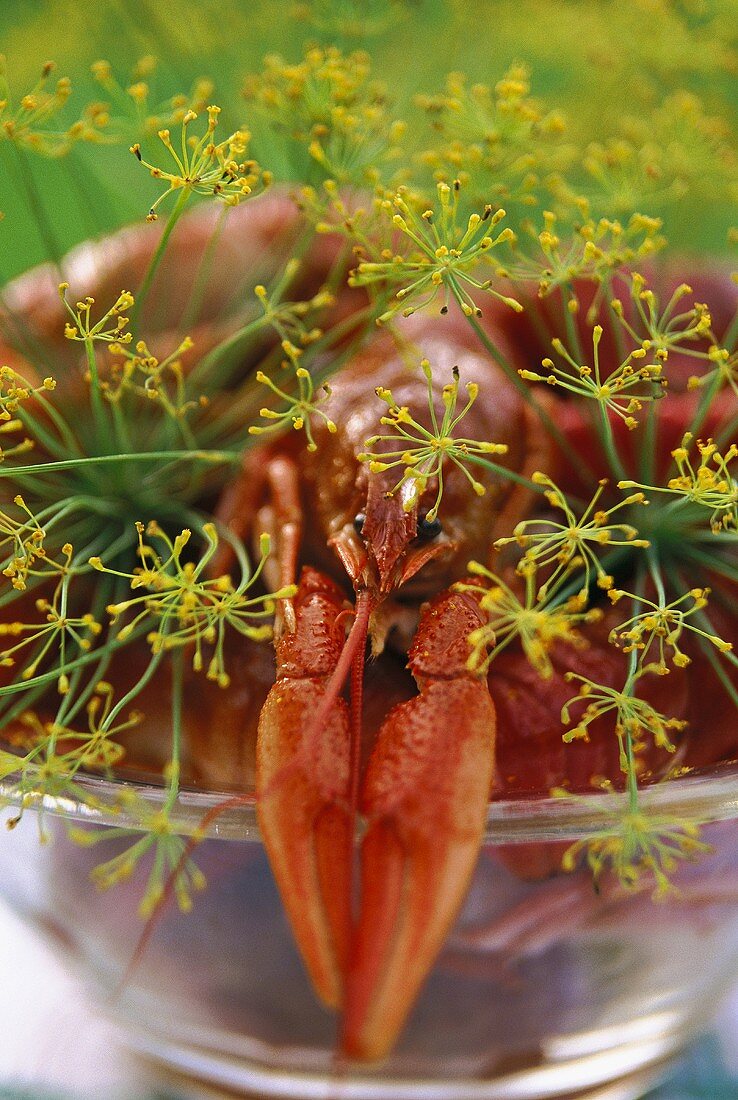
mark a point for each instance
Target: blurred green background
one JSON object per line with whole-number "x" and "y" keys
{"x": 608, "y": 65}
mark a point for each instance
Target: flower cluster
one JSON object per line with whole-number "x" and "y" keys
{"x": 423, "y": 452}
{"x": 444, "y": 256}
{"x": 205, "y": 167}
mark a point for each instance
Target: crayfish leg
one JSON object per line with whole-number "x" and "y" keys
{"x": 425, "y": 796}
{"x": 303, "y": 786}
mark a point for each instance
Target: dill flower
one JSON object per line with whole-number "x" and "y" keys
{"x": 593, "y": 249}
{"x": 154, "y": 833}
{"x": 659, "y": 627}
{"x": 424, "y": 452}
{"x": 494, "y": 138}
{"x": 538, "y": 623}
{"x": 658, "y": 331}
{"x": 25, "y": 123}
{"x": 130, "y": 110}
{"x": 711, "y": 484}
{"x": 444, "y": 256}
{"x": 204, "y": 166}
{"x": 110, "y": 328}
{"x": 327, "y": 107}
{"x": 640, "y": 847}
{"x": 623, "y": 391}
{"x": 633, "y": 718}
{"x": 57, "y": 631}
{"x": 187, "y": 606}
{"x": 299, "y": 409}
{"x": 573, "y": 544}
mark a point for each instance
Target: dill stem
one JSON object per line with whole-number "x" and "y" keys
{"x": 204, "y": 271}
{"x": 46, "y": 230}
{"x": 215, "y": 457}
{"x": 98, "y": 409}
{"x": 158, "y": 255}
{"x": 527, "y": 395}
{"x": 608, "y": 442}
{"x": 173, "y": 766}
{"x": 509, "y": 475}
{"x": 731, "y": 336}
{"x": 704, "y": 406}
{"x": 137, "y": 688}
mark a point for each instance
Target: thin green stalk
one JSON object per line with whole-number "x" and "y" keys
{"x": 204, "y": 273}
{"x": 156, "y": 259}
{"x": 528, "y": 396}
{"x": 608, "y": 442}
{"x": 46, "y": 230}
{"x": 214, "y": 457}
{"x": 731, "y": 336}
{"x": 508, "y": 475}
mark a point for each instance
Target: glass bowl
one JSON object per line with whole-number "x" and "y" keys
{"x": 545, "y": 988}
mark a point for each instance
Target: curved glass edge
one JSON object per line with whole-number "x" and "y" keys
{"x": 696, "y": 799}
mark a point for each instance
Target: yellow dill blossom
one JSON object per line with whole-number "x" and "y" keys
{"x": 592, "y": 249}
{"x": 61, "y": 750}
{"x": 724, "y": 371}
{"x": 14, "y": 390}
{"x": 537, "y": 624}
{"x": 25, "y": 122}
{"x": 629, "y": 174}
{"x": 157, "y": 834}
{"x": 496, "y": 137}
{"x": 47, "y": 757}
{"x": 328, "y": 106}
{"x": 641, "y": 848}
{"x": 659, "y": 628}
{"x": 288, "y": 319}
{"x": 203, "y": 166}
{"x": 634, "y": 718}
{"x": 186, "y": 606}
{"x": 111, "y": 326}
{"x": 573, "y": 544}
{"x": 130, "y": 110}
{"x": 656, "y": 332}
{"x": 57, "y": 631}
{"x": 22, "y": 546}
{"x": 299, "y": 408}
{"x": 444, "y": 258}
{"x": 162, "y": 381}
{"x": 424, "y": 452}
{"x": 623, "y": 391}
{"x": 711, "y": 484}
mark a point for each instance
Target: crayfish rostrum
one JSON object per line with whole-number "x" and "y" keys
{"x": 376, "y": 743}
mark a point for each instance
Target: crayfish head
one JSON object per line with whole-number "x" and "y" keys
{"x": 388, "y": 544}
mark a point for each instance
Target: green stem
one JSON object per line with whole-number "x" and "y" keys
{"x": 530, "y": 399}
{"x": 174, "y": 759}
{"x": 98, "y": 409}
{"x": 158, "y": 255}
{"x": 731, "y": 336}
{"x": 215, "y": 457}
{"x": 608, "y": 442}
{"x": 46, "y": 230}
{"x": 204, "y": 272}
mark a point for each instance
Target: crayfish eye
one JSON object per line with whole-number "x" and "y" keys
{"x": 359, "y": 521}
{"x": 428, "y": 529}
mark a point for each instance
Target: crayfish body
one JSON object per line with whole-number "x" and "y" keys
{"x": 369, "y": 923}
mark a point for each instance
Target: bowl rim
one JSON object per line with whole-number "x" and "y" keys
{"x": 694, "y": 800}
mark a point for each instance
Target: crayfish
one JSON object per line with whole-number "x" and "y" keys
{"x": 423, "y": 792}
